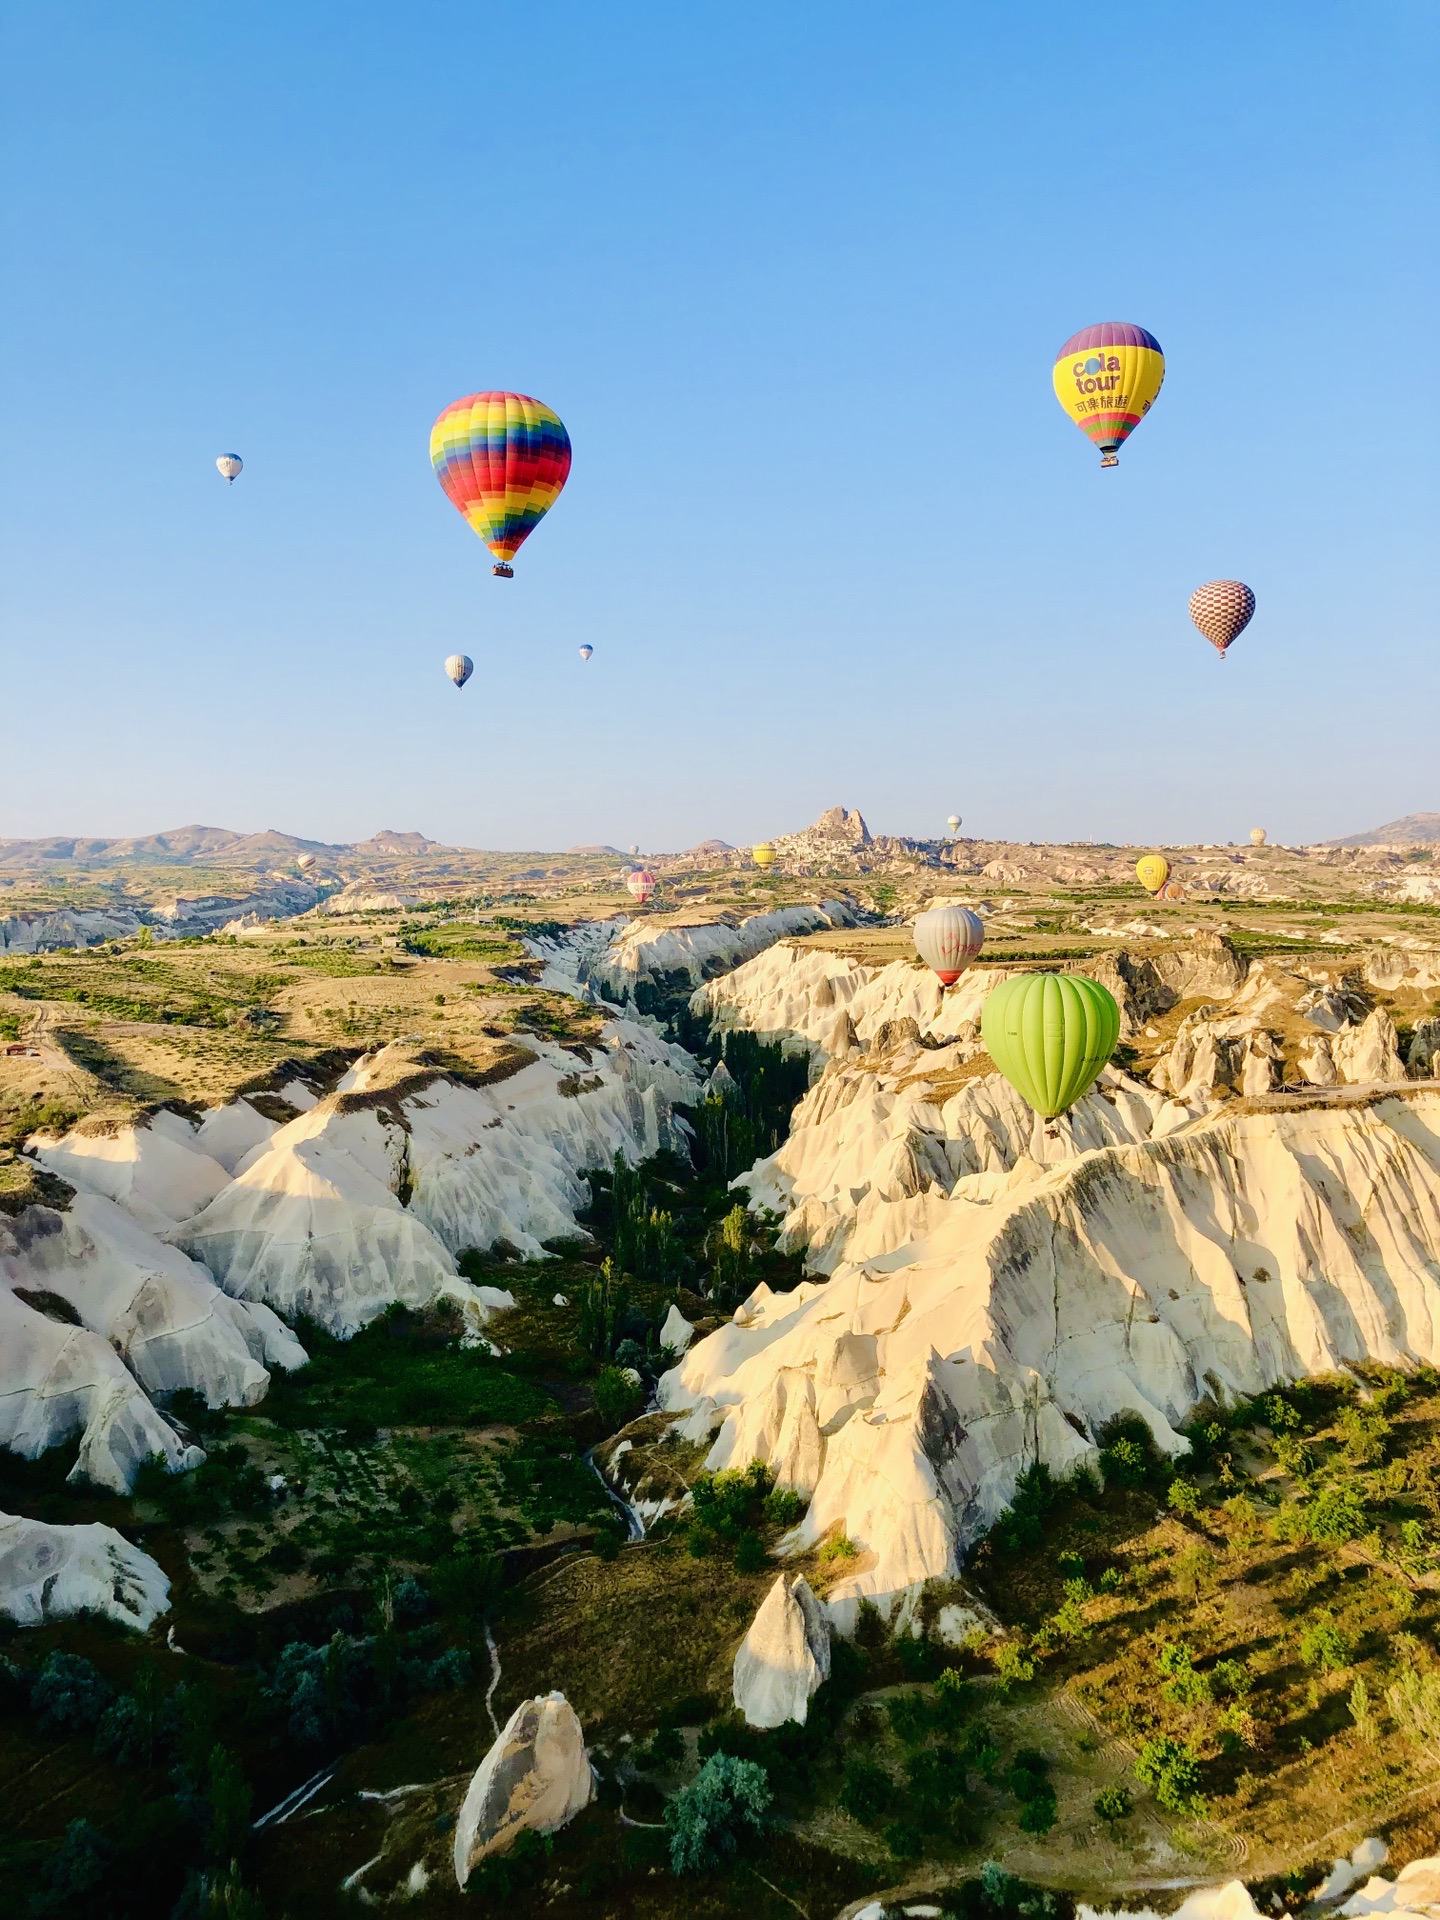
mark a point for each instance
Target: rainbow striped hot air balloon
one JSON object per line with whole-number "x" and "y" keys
{"x": 502, "y": 459}
{"x": 641, "y": 884}
{"x": 1106, "y": 378}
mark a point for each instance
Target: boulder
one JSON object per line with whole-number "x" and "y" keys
{"x": 537, "y": 1776}
{"x": 784, "y": 1657}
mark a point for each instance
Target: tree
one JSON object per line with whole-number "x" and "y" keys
{"x": 68, "y": 1695}
{"x": 617, "y": 1398}
{"x": 75, "y": 1870}
{"x": 1171, "y": 1770}
{"x": 1113, "y": 1803}
{"x": 1323, "y": 1645}
{"x": 726, "y": 1799}
{"x": 1184, "y": 1498}
{"x": 1414, "y": 1700}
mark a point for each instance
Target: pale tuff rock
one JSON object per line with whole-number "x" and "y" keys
{"x": 1422, "y": 1057}
{"x": 227, "y": 1135}
{"x": 784, "y": 1657}
{"x": 678, "y": 951}
{"x": 1009, "y": 1319}
{"x": 676, "y": 1332}
{"x": 148, "y": 1171}
{"x": 537, "y": 1775}
{"x": 1415, "y": 1890}
{"x": 48, "y": 1573}
{"x": 57, "y": 1379}
{"x": 161, "y": 1312}
{"x": 1369, "y": 1054}
{"x": 315, "y": 1223}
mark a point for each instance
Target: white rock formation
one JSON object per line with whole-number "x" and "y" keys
{"x": 1415, "y": 1890}
{"x": 680, "y": 949}
{"x": 156, "y": 1177}
{"x": 47, "y": 1573}
{"x": 967, "y": 1333}
{"x": 537, "y": 1775}
{"x": 161, "y": 1312}
{"x": 676, "y": 1332}
{"x": 784, "y": 1657}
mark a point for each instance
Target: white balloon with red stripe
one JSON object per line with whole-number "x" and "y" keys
{"x": 641, "y": 884}
{"x": 948, "y": 939}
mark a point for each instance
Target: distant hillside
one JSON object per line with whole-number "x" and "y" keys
{"x": 1416, "y": 829}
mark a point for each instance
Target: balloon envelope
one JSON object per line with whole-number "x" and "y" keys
{"x": 1257, "y": 836}
{"x": 585, "y": 652}
{"x": 1050, "y": 1034}
{"x": 633, "y": 851}
{"x": 305, "y": 862}
{"x": 1152, "y": 870}
{"x": 763, "y": 855}
{"x": 230, "y": 464}
{"x": 502, "y": 459}
{"x": 459, "y": 667}
{"x": 1172, "y": 890}
{"x": 1222, "y": 609}
{"x": 947, "y": 939}
{"x": 953, "y": 822}
{"x": 1106, "y": 378}
{"x": 641, "y": 884}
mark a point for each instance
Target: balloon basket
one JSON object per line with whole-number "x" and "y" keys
{"x": 503, "y": 572}
{"x": 1110, "y": 460}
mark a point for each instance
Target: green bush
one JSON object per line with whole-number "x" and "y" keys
{"x": 1171, "y": 1769}
{"x": 728, "y": 1799}
{"x": 617, "y": 1397}
{"x": 1113, "y": 1803}
{"x": 867, "y": 1792}
{"x": 1323, "y": 1645}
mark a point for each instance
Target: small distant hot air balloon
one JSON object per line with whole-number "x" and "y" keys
{"x": 763, "y": 855}
{"x": 502, "y": 459}
{"x": 230, "y": 464}
{"x": 633, "y": 851}
{"x": 1222, "y": 609}
{"x": 953, "y": 822}
{"x": 1106, "y": 378}
{"x": 1152, "y": 870}
{"x": 585, "y": 652}
{"x": 641, "y": 884}
{"x": 1172, "y": 890}
{"x": 1257, "y": 836}
{"x": 305, "y": 862}
{"x": 459, "y": 667}
{"x": 947, "y": 939}
{"x": 1050, "y": 1034}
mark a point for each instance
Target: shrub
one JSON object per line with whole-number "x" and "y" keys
{"x": 867, "y": 1793}
{"x": 750, "y": 1554}
{"x": 1183, "y": 1685}
{"x": 709, "y": 1818}
{"x": 1012, "y": 1666}
{"x": 617, "y": 1397}
{"x": 68, "y": 1695}
{"x": 77, "y": 1869}
{"x": 904, "y": 1839}
{"x": 1113, "y": 1803}
{"x": 1171, "y": 1770}
{"x": 842, "y": 1547}
{"x": 1414, "y": 1701}
{"x": 784, "y": 1508}
{"x": 1183, "y": 1498}
{"x": 1040, "y": 1812}
{"x": 1323, "y": 1645}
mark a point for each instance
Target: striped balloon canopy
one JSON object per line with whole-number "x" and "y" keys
{"x": 947, "y": 939}
{"x": 1107, "y": 378}
{"x": 641, "y": 884}
{"x": 502, "y": 459}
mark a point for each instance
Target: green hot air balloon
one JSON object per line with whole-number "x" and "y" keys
{"x": 1050, "y": 1034}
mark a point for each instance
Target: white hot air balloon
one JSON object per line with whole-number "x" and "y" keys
{"x": 459, "y": 667}
{"x": 585, "y": 652}
{"x": 1257, "y": 836}
{"x": 634, "y": 851}
{"x": 305, "y": 862}
{"x": 948, "y": 939}
{"x": 230, "y": 464}
{"x": 953, "y": 823}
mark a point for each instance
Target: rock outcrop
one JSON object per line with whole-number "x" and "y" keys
{"x": 536, "y": 1776}
{"x": 679, "y": 950}
{"x": 784, "y": 1657}
{"x": 966, "y": 1333}
{"x": 48, "y": 1573}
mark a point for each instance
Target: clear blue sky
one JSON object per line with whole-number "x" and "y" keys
{"x": 794, "y": 276}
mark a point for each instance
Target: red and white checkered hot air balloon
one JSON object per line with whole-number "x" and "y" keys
{"x": 1222, "y": 609}
{"x": 948, "y": 939}
{"x": 641, "y": 884}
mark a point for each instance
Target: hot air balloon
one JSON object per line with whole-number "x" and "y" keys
{"x": 953, "y": 822}
{"x": 1172, "y": 890}
{"x": 1106, "y": 378}
{"x": 502, "y": 459}
{"x": 230, "y": 464}
{"x": 641, "y": 884}
{"x": 1050, "y": 1034}
{"x": 1222, "y": 609}
{"x": 585, "y": 652}
{"x": 305, "y": 862}
{"x": 459, "y": 667}
{"x": 947, "y": 939}
{"x": 1152, "y": 870}
{"x": 763, "y": 855}
{"x": 1257, "y": 836}
{"x": 634, "y": 851}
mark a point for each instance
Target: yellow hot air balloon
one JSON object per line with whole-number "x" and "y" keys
{"x": 1107, "y": 378}
{"x": 1152, "y": 870}
{"x": 763, "y": 855}
{"x": 1257, "y": 836}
